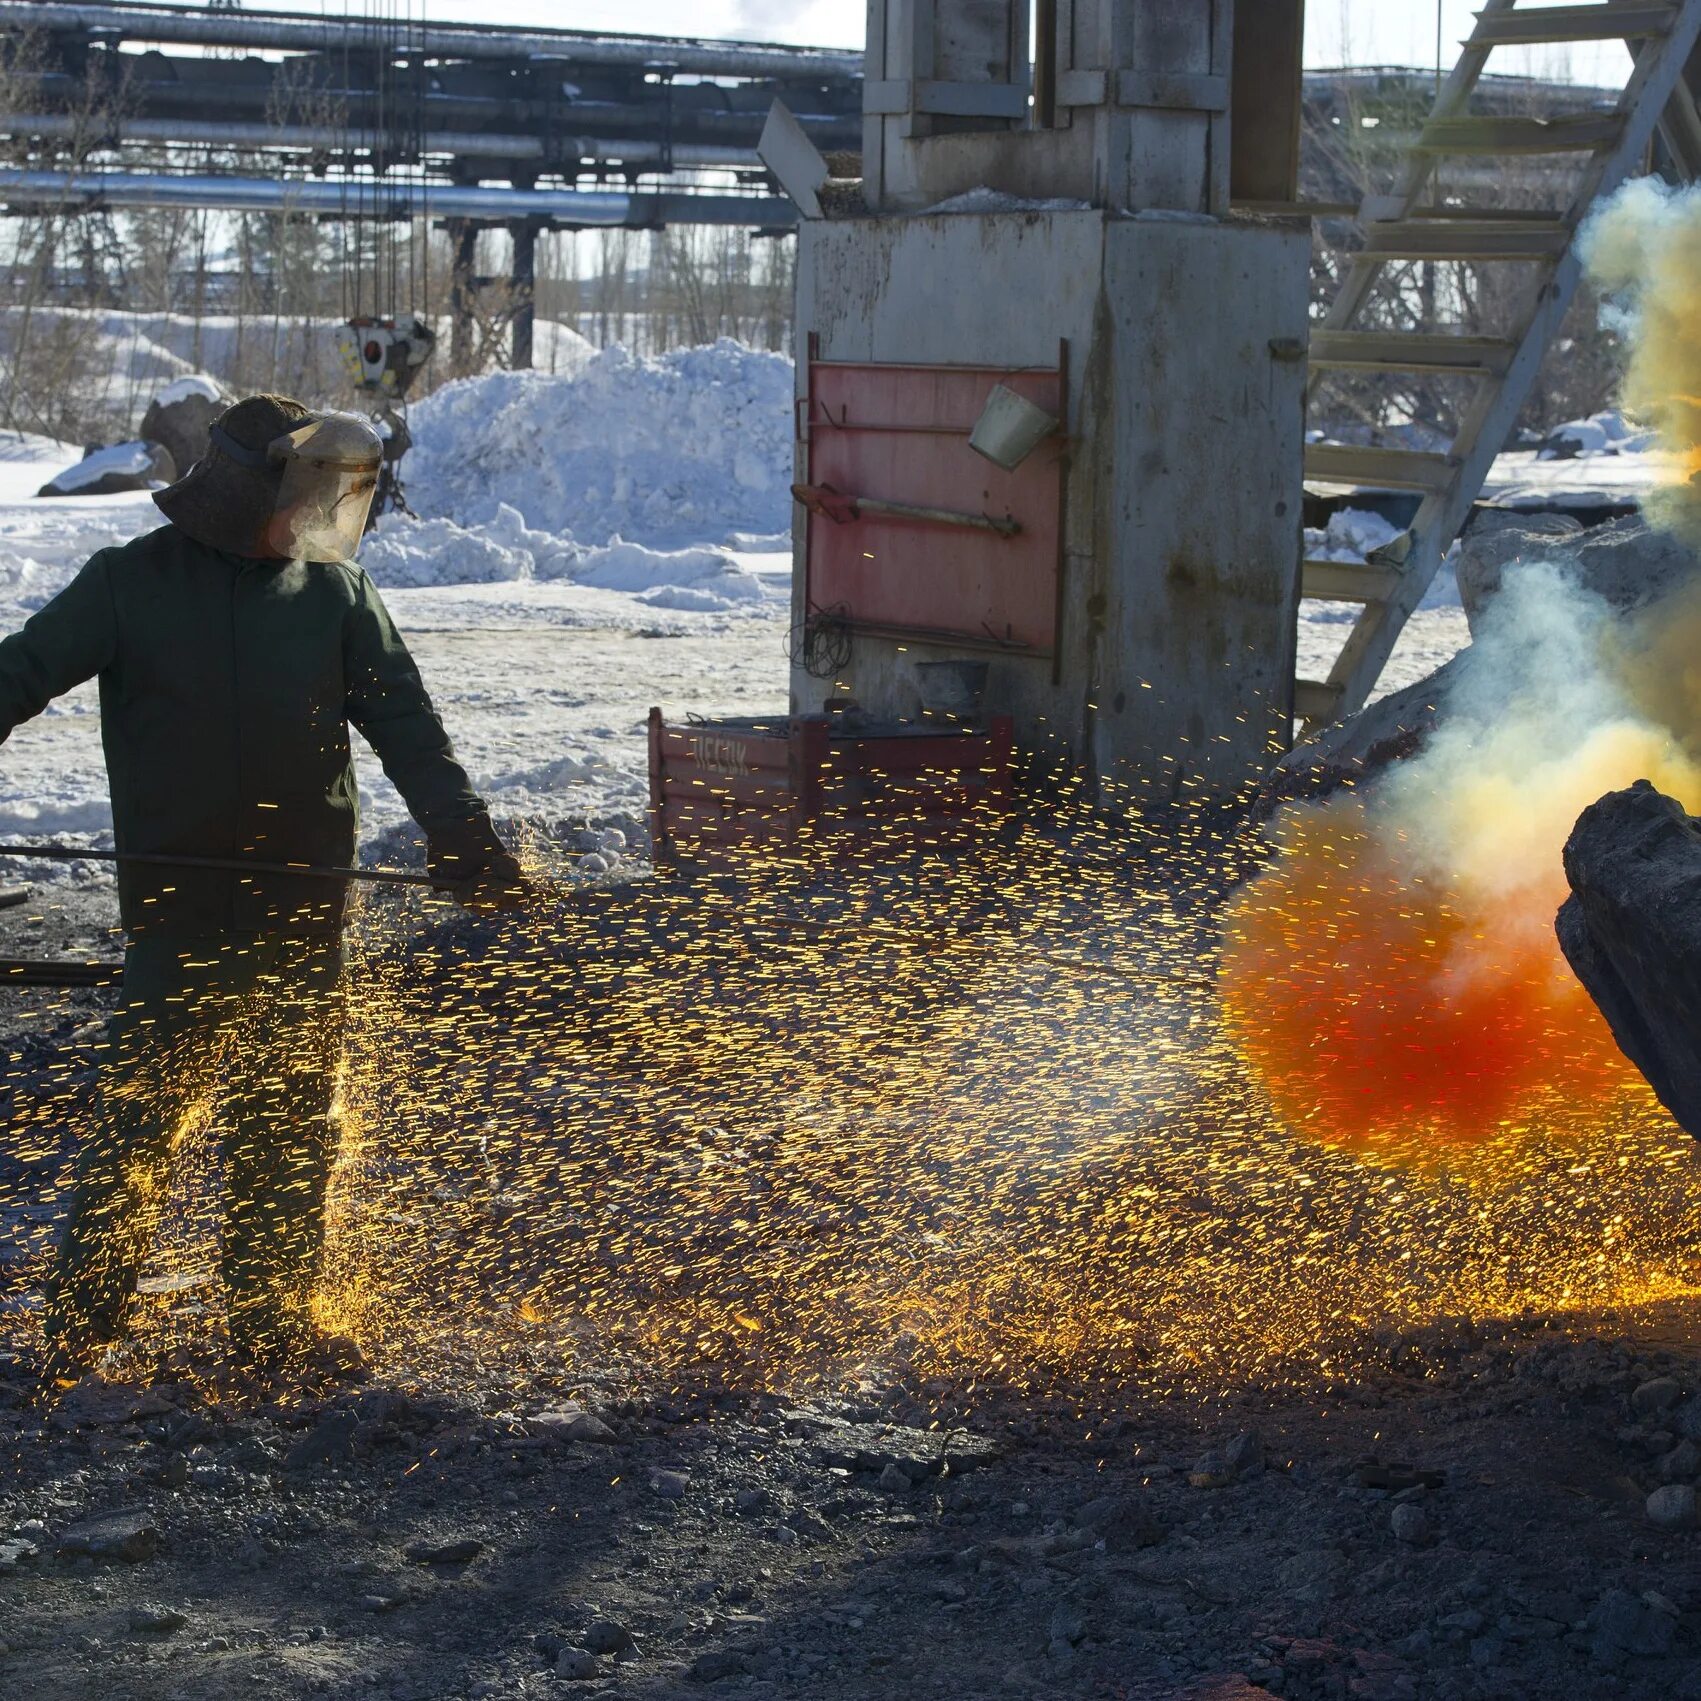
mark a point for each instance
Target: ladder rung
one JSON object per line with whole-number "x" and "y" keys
{"x": 1542, "y": 24}
{"x": 1480, "y": 135}
{"x": 1315, "y": 699}
{"x": 1413, "y": 351}
{"x": 1391, "y": 469}
{"x": 1466, "y": 239}
{"x": 1347, "y": 581}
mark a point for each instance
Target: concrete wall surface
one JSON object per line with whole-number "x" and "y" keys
{"x": 1181, "y": 532}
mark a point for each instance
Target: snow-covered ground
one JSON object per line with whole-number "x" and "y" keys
{"x": 589, "y": 546}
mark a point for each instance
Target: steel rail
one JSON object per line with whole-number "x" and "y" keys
{"x": 390, "y": 201}
{"x": 470, "y": 144}
{"x": 304, "y": 33}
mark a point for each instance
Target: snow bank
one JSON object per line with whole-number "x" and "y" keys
{"x": 414, "y": 554}
{"x": 126, "y": 460}
{"x": 687, "y": 448}
{"x": 1605, "y": 433}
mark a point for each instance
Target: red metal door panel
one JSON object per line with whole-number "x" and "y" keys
{"x": 901, "y": 434}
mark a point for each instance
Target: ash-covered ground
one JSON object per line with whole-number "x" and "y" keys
{"x": 522, "y": 1510}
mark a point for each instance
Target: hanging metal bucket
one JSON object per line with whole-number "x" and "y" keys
{"x": 1010, "y": 428}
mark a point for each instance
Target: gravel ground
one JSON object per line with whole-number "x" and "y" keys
{"x": 1468, "y": 1516}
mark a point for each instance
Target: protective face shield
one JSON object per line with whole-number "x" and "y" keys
{"x": 330, "y": 473}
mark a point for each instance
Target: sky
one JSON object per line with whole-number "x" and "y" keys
{"x": 1338, "y": 32}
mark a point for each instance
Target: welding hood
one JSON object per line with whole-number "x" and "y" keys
{"x": 328, "y": 474}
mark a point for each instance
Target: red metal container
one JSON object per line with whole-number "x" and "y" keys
{"x": 719, "y": 786}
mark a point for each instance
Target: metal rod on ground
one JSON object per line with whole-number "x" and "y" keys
{"x": 233, "y": 864}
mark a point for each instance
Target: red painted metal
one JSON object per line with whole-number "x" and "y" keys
{"x": 729, "y": 785}
{"x": 900, "y": 434}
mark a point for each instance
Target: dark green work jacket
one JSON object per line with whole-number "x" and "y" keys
{"x": 227, "y": 686}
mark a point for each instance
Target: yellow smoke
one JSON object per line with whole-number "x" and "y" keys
{"x": 1645, "y": 245}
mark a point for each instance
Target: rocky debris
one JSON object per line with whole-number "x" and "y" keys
{"x": 1623, "y": 1626}
{"x": 1316, "y": 1574}
{"x": 1241, "y": 1457}
{"x": 717, "y": 1664}
{"x": 1310, "y": 1668}
{"x": 131, "y": 1535}
{"x": 577, "y": 1665}
{"x": 179, "y": 417}
{"x": 95, "y": 1402}
{"x": 1125, "y": 1523}
{"x": 607, "y": 1636}
{"x": 1411, "y": 1525}
{"x": 157, "y": 1620}
{"x": 107, "y": 469}
{"x": 873, "y": 1448}
{"x": 329, "y": 1442}
{"x": 1626, "y": 562}
{"x": 16, "y": 1553}
{"x": 570, "y": 1422}
{"x": 1631, "y": 931}
{"x": 463, "y": 1550}
{"x": 670, "y": 1485}
{"x": 1658, "y": 1395}
{"x": 1672, "y": 1507}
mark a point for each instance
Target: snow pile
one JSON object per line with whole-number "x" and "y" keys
{"x": 193, "y": 384}
{"x": 682, "y": 449}
{"x": 1351, "y": 535}
{"x": 414, "y": 554}
{"x": 123, "y": 460}
{"x": 1606, "y": 433}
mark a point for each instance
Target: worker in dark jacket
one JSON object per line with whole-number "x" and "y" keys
{"x": 234, "y": 647}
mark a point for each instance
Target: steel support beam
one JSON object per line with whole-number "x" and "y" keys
{"x": 300, "y": 32}
{"x": 76, "y": 191}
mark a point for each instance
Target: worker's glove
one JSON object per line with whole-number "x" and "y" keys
{"x": 468, "y": 859}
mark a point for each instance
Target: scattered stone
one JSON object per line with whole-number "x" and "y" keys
{"x": 1672, "y": 1507}
{"x": 130, "y": 1535}
{"x": 1065, "y": 1629}
{"x": 1317, "y": 1574}
{"x": 157, "y": 1620}
{"x": 607, "y": 1636}
{"x": 752, "y": 1502}
{"x": 918, "y": 1453}
{"x": 1411, "y": 1524}
{"x": 1624, "y": 1625}
{"x": 251, "y": 1454}
{"x": 577, "y": 1665}
{"x": 571, "y": 1423}
{"x": 670, "y": 1485}
{"x": 330, "y": 1441}
{"x": 461, "y": 1551}
{"x": 895, "y": 1480}
{"x": 1682, "y": 1462}
{"x": 717, "y": 1664}
{"x": 1687, "y": 1418}
{"x": 15, "y": 1553}
{"x": 96, "y": 1403}
{"x": 1123, "y": 1522}
{"x": 1660, "y": 1395}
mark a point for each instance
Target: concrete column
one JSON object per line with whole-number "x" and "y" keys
{"x": 522, "y": 288}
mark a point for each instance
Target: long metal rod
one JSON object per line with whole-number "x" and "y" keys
{"x": 389, "y": 201}
{"x": 235, "y": 864}
{"x": 471, "y": 144}
{"x": 301, "y": 32}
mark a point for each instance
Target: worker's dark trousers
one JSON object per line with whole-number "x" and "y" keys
{"x": 247, "y": 1026}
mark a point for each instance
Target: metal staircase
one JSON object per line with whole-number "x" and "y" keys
{"x": 1398, "y": 228}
